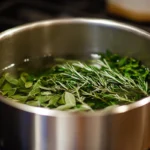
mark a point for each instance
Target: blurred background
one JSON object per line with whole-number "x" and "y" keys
{"x": 14, "y": 13}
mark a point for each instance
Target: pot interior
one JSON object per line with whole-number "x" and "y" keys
{"x": 75, "y": 38}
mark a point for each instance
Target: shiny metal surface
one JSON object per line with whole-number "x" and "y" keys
{"x": 28, "y": 128}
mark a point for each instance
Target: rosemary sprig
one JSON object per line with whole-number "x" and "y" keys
{"x": 81, "y": 86}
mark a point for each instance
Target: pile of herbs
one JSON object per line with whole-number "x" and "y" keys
{"x": 80, "y": 86}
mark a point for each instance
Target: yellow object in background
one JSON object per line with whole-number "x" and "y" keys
{"x": 136, "y": 10}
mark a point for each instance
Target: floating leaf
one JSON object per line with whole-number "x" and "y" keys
{"x": 2, "y": 79}
{"x": 20, "y": 83}
{"x": 42, "y": 99}
{"x": 81, "y": 108}
{"x": 11, "y": 79}
{"x": 70, "y": 102}
{"x": 33, "y": 103}
{"x": 24, "y": 76}
{"x": 28, "y": 84}
{"x": 20, "y": 98}
{"x": 11, "y": 92}
{"x": 45, "y": 88}
{"x": 61, "y": 100}
{"x": 7, "y": 89}
{"x": 53, "y": 100}
{"x": 46, "y": 93}
{"x": 34, "y": 92}
{"x": 70, "y": 99}
{"x": 35, "y": 89}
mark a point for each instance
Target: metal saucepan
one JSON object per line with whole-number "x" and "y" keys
{"x": 24, "y": 127}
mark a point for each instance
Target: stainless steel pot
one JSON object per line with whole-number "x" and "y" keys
{"x": 24, "y": 127}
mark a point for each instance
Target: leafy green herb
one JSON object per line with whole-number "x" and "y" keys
{"x": 28, "y": 84}
{"x": 19, "y": 98}
{"x": 69, "y": 100}
{"x": 11, "y": 79}
{"x": 53, "y": 101}
{"x": 81, "y": 86}
{"x": 2, "y": 79}
{"x": 8, "y": 90}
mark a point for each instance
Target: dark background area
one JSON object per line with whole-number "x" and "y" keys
{"x": 14, "y": 13}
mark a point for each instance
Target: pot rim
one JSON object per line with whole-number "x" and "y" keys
{"x": 50, "y": 112}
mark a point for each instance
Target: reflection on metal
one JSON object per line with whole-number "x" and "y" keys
{"x": 10, "y": 66}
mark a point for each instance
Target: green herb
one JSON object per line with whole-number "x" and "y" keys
{"x": 10, "y": 79}
{"x": 70, "y": 102}
{"x": 81, "y": 86}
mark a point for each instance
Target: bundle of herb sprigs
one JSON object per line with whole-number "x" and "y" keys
{"x": 80, "y": 86}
